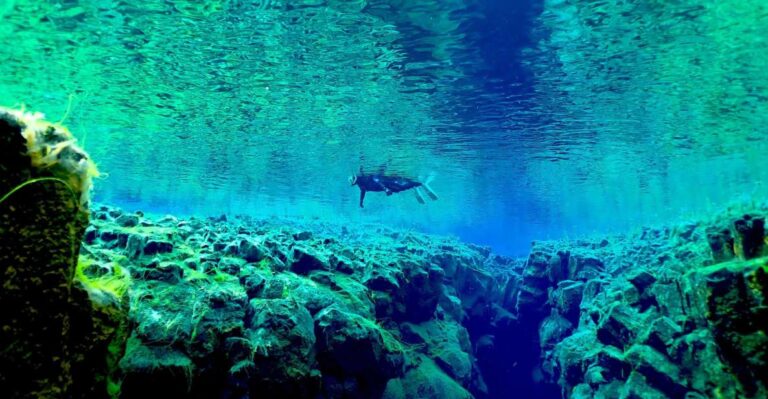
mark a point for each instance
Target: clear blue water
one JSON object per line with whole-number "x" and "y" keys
{"x": 537, "y": 119}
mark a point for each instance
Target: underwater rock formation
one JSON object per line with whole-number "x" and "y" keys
{"x": 238, "y": 308}
{"x": 675, "y": 314}
{"x": 55, "y": 341}
{"x": 245, "y": 308}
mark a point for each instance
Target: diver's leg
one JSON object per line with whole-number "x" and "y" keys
{"x": 362, "y": 197}
{"x": 418, "y": 196}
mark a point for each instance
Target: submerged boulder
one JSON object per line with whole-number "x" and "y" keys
{"x": 426, "y": 381}
{"x": 281, "y": 340}
{"x": 306, "y": 259}
{"x": 155, "y": 371}
{"x": 354, "y": 352}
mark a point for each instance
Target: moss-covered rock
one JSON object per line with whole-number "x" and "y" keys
{"x": 737, "y": 304}
{"x": 265, "y": 309}
{"x": 426, "y": 381}
{"x": 55, "y": 342}
{"x": 155, "y": 371}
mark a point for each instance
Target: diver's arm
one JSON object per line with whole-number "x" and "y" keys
{"x": 362, "y": 197}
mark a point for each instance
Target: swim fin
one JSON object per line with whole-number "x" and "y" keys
{"x": 431, "y": 194}
{"x": 418, "y": 196}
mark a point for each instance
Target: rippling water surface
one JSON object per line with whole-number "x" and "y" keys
{"x": 537, "y": 118}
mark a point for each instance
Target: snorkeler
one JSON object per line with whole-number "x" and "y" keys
{"x": 389, "y": 185}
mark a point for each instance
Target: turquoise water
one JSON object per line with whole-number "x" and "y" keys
{"x": 537, "y": 119}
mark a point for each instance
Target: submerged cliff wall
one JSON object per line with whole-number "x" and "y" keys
{"x": 253, "y": 308}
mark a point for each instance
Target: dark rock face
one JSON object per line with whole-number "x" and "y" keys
{"x": 750, "y": 233}
{"x": 662, "y": 334}
{"x": 721, "y": 243}
{"x": 738, "y": 315}
{"x": 424, "y": 381}
{"x": 642, "y": 280}
{"x": 134, "y": 245}
{"x": 250, "y": 251}
{"x": 243, "y": 309}
{"x": 532, "y": 297}
{"x": 281, "y": 336}
{"x": 155, "y": 372}
{"x": 553, "y": 329}
{"x": 154, "y": 247}
{"x": 619, "y": 327}
{"x": 54, "y": 342}
{"x": 691, "y": 333}
{"x": 167, "y": 272}
{"x": 567, "y": 298}
{"x": 305, "y": 261}
{"x": 352, "y": 352}
{"x": 127, "y": 220}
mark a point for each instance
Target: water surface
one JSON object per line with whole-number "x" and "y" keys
{"x": 538, "y": 119}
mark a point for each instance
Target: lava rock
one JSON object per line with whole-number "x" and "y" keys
{"x": 737, "y": 313}
{"x": 619, "y": 327}
{"x": 584, "y": 265}
{"x": 230, "y": 266}
{"x": 168, "y": 272}
{"x": 418, "y": 296}
{"x": 657, "y": 370}
{"x": 384, "y": 279}
{"x": 552, "y": 330}
{"x": 250, "y": 251}
{"x": 126, "y": 220}
{"x": 108, "y": 236}
{"x": 282, "y": 338}
{"x": 721, "y": 244}
{"x": 155, "y": 372}
{"x": 351, "y": 347}
{"x": 134, "y": 246}
{"x": 254, "y": 284}
{"x": 91, "y": 233}
{"x": 153, "y": 247}
{"x": 302, "y": 236}
{"x": 448, "y": 345}
{"x": 426, "y": 381}
{"x": 750, "y": 235}
{"x": 671, "y": 299}
{"x": 341, "y": 264}
{"x": 567, "y": 298}
{"x": 662, "y": 333}
{"x": 642, "y": 280}
{"x": 96, "y": 270}
{"x": 306, "y": 260}
{"x": 532, "y": 295}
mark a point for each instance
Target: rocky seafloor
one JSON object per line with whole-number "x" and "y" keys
{"x": 245, "y": 308}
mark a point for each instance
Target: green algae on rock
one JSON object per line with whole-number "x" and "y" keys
{"x": 241, "y": 308}
{"x": 55, "y": 342}
{"x": 677, "y": 313}
{"x": 244, "y": 308}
